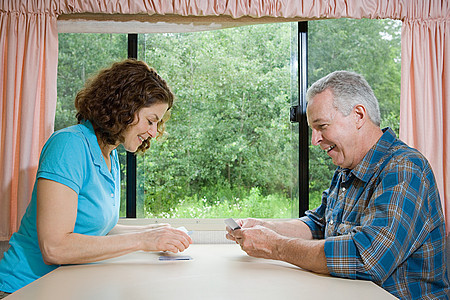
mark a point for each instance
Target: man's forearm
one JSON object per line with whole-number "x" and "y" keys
{"x": 292, "y": 228}
{"x": 307, "y": 254}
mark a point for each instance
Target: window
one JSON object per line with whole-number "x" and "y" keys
{"x": 231, "y": 150}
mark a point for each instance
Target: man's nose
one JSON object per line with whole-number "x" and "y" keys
{"x": 316, "y": 137}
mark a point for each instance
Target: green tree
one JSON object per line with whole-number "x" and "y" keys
{"x": 230, "y": 126}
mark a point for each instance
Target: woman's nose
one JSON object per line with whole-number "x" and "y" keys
{"x": 153, "y": 131}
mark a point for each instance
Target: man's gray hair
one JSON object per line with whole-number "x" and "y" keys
{"x": 349, "y": 89}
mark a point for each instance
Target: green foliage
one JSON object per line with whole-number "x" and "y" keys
{"x": 229, "y": 126}
{"x": 368, "y": 47}
{"x": 253, "y": 204}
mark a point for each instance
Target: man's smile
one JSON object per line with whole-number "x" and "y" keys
{"x": 329, "y": 148}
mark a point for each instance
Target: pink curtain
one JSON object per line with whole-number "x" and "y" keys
{"x": 28, "y": 66}
{"x": 425, "y": 98}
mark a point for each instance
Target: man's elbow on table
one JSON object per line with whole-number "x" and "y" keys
{"x": 307, "y": 254}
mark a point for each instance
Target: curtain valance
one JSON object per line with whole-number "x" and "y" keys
{"x": 312, "y": 9}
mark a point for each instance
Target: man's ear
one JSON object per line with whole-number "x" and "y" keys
{"x": 360, "y": 114}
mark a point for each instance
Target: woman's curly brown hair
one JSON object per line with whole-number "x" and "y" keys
{"x": 111, "y": 99}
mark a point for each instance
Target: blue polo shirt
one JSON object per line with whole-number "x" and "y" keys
{"x": 72, "y": 157}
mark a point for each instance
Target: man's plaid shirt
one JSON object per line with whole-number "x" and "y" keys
{"x": 382, "y": 221}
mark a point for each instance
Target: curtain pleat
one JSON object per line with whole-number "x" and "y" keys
{"x": 28, "y": 64}
{"x": 425, "y": 97}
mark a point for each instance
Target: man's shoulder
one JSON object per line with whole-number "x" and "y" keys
{"x": 402, "y": 154}
{"x": 406, "y": 163}
{"x": 395, "y": 150}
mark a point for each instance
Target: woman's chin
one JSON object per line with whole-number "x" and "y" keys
{"x": 132, "y": 149}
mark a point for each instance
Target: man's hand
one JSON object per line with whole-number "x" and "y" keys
{"x": 258, "y": 241}
{"x": 251, "y": 222}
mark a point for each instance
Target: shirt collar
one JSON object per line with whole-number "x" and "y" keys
{"x": 94, "y": 147}
{"x": 369, "y": 164}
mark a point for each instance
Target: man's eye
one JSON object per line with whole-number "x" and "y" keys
{"x": 150, "y": 122}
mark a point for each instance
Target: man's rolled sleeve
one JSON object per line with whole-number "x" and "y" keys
{"x": 315, "y": 227}
{"x": 315, "y": 219}
{"x": 343, "y": 259}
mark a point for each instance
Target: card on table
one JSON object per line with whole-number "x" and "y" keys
{"x": 174, "y": 257}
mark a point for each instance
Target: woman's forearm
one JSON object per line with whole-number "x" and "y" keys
{"x": 78, "y": 248}
{"x": 121, "y": 228}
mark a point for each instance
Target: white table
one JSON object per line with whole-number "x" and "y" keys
{"x": 219, "y": 271}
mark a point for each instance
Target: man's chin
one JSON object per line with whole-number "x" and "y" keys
{"x": 337, "y": 162}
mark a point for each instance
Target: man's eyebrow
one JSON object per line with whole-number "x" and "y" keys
{"x": 318, "y": 120}
{"x": 321, "y": 119}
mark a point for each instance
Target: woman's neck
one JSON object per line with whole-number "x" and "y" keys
{"x": 106, "y": 150}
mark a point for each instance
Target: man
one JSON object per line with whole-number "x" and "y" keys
{"x": 381, "y": 218}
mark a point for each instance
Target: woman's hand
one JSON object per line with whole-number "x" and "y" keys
{"x": 165, "y": 238}
{"x": 157, "y": 225}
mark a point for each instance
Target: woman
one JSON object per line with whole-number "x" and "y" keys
{"x": 75, "y": 200}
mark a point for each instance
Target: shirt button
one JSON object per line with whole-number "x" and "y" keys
{"x": 343, "y": 189}
{"x": 112, "y": 195}
{"x": 331, "y": 222}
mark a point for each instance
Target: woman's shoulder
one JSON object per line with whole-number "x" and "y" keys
{"x": 64, "y": 157}
{"x": 72, "y": 135}
{"x": 75, "y": 130}
{"x": 70, "y": 139}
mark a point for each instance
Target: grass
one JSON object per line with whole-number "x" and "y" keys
{"x": 253, "y": 205}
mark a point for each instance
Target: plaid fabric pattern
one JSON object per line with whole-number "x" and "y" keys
{"x": 383, "y": 221}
